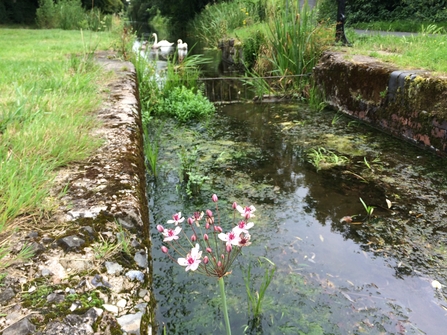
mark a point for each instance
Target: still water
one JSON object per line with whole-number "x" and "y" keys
{"x": 331, "y": 277}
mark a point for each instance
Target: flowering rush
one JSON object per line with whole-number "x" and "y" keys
{"x": 218, "y": 247}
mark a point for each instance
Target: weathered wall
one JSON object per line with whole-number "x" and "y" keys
{"x": 411, "y": 105}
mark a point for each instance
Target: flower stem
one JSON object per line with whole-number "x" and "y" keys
{"x": 224, "y": 305}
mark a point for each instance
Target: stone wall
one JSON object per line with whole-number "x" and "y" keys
{"x": 409, "y": 104}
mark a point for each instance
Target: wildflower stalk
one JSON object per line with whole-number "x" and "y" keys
{"x": 224, "y": 305}
{"x": 221, "y": 249}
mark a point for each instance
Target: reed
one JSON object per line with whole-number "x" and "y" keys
{"x": 255, "y": 298}
{"x": 297, "y": 41}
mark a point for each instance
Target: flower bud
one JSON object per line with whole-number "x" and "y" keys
{"x": 222, "y": 256}
{"x": 160, "y": 228}
{"x": 218, "y": 228}
{"x": 209, "y": 213}
{"x": 214, "y": 198}
{"x": 209, "y": 250}
{"x": 247, "y": 216}
{"x": 190, "y": 221}
{"x": 193, "y": 238}
{"x": 205, "y": 237}
{"x": 234, "y": 205}
{"x": 164, "y": 249}
{"x": 219, "y": 264}
{"x": 229, "y": 248}
{"x": 207, "y": 225}
{"x": 205, "y": 260}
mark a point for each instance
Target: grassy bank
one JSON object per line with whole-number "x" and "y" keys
{"x": 425, "y": 50}
{"x": 50, "y": 86}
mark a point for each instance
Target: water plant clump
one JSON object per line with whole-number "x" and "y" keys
{"x": 207, "y": 236}
{"x": 324, "y": 159}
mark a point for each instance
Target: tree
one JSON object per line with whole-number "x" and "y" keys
{"x": 13, "y": 11}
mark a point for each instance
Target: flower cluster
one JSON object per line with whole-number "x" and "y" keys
{"x": 220, "y": 248}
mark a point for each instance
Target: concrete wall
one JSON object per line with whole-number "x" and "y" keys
{"x": 411, "y": 105}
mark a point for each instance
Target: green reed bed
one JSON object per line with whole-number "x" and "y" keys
{"x": 218, "y": 21}
{"x": 50, "y": 87}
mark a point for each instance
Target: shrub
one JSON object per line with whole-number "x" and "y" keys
{"x": 183, "y": 104}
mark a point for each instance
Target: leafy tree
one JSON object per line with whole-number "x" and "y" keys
{"x": 13, "y": 11}
{"x": 106, "y": 6}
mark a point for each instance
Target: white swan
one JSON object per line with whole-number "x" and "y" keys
{"x": 162, "y": 43}
{"x": 181, "y": 45}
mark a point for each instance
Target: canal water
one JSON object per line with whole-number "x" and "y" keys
{"x": 337, "y": 271}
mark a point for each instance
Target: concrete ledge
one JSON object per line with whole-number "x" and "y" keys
{"x": 411, "y": 105}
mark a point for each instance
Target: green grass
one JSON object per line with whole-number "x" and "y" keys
{"x": 425, "y": 50}
{"x": 50, "y": 86}
{"x": 398, "y": 25}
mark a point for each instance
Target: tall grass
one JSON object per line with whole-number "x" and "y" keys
{"x": 218, "y": 21}
{"x": 297, "y": 40}
{"x": 45, "y": 116}
{"x": 69, "y": 14}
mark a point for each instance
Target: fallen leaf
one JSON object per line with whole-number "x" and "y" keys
{"x": 346, "y": 219}
{"x": 389, "y": 203}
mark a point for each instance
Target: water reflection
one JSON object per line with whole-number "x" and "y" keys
{"x": 332, "y": 277}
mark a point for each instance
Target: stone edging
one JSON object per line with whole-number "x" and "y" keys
{"x": 409, "y": 104}
{"x": 105, "y": 202}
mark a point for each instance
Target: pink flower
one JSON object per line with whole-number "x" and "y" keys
{"x": 214, "y": 198}
{"x": 177, "y": 218}
{"x": 171, "y": 235}
{"x": 243, "y": 227}
{"x": 230, "y": 238}
{"x": 192, "y": 259}
{"x": 198, "y": 216}
{"x": 244, "y": 240}
{"x": 246, "y": 212}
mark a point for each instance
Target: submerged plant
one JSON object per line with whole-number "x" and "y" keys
{"x": 221, "y": 248}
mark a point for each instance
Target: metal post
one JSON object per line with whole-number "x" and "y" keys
{"x": 340, "y": 27}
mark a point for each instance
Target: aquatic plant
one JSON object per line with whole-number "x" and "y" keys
{"x": 255, "y": 298}
{"x": 151, "y": 148}
{"x": 324, "y": 159}
{"x": 183, "y": 104}
{"x": 369, "y": 209}
{"x": 221, "y": 248}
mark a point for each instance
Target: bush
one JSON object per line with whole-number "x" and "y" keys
{"x": 183, "y": 104}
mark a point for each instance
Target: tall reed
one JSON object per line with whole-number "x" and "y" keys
{"x": 297, "y": 41}
{"x": 217, "y": 21}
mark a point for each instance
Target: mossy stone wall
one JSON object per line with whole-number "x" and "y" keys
{"x": 409, "y": 104}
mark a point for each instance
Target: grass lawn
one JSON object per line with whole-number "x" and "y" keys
{"x": 49, "y": 87}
